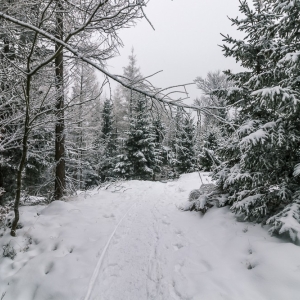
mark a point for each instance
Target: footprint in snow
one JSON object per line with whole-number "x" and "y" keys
{"x": 49, "y": 267}
{"x": 108, "y": 216}
{"x": 206, "y": 264}
{"x": 250, "y": 265}
{"x": 177, "y": 268}
{"x": 165, "y": 222}
{"x": 178, "y": 233}
{"x": 112, "y": 270}
{"x": 177, "y": 246}
{"x": 55, "y": 247}
{"x": 116, "y": 239}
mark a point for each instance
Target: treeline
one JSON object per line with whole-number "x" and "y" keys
{"x": 49, "y": 118}
{"x": 41, "y": 44}
{"x": 126, "y": 137}
{"x": 122, "y": 136}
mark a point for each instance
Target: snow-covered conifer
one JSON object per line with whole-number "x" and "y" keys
{"x": 259, "y": 158}
{"x": 109, "y": 141}
{"x": 139, "y": 160}
{"x": 185, "y": 145}
{"x": 186, "y": 153}
{"x": 206, "y": 157}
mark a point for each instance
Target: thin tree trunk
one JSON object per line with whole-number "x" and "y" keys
{"x": 130, "y": 105}
{"x": 23, "y": 160}
{"x": 60, "y": 173}
{"x": 3, "y": 87}
{"x": 80, "y": 131}
{"x": 1, "y": 185}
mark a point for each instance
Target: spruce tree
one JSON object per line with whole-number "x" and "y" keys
{"x": 108, "y": 137}
{"x": 260, "y": 157}
{"x": 206, "y": 157}
{"x": 139, "y": 160}
{"x": 176, "y": 130}
{"x": 159, "y": 131}
{"x": 133, "y": 77}
{"x": 186, "y": 156}
{"x": 123, "y": 165}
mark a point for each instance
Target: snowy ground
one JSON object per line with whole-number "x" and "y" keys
{"x": 135, "y": 244}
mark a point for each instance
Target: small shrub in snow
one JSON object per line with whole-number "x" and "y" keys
{"x": 200, "y": 199}
{"x": 4, "y": 211}
{"x": 9, "y": 251}
{"x": 287, "y": 221}
{"x": 9, "y": 219}
{"x": 33, "y": 200}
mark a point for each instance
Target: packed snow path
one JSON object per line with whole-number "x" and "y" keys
{"x": 135, "y": 244}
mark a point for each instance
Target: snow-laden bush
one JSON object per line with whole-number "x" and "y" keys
{"x": 200, "y": 199}
{"x": 4, "y": 211}
{"x": 9, "y": 251}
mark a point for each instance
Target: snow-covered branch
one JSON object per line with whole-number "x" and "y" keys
{"x": 156, "y": 95}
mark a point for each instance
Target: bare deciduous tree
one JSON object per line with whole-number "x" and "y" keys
{"x": 56, "y": 32}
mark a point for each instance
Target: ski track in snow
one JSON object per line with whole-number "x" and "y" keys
{"x": 98, "y": 266}
{"x": 153, "y": 258}
{"x": 137, "y": 263}
{"x": 137, "y": 245}
{"x": 132, "y": 260}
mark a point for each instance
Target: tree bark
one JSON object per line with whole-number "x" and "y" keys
{"x": 3, "y": 87}
{"x": 23, "y": 159}
{"x": 1, "y": 185}
{"x": 80, "y": 131}
{"x": 60, "y": 173}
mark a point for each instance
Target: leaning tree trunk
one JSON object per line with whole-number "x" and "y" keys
{"x": 60, "y": 173}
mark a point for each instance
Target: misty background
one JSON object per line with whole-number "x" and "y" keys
{"x": 184, "y": 44}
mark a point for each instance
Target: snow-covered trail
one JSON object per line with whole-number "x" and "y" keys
{"x": 135, "y": 244}
{"x": 132, "y": 268}
{"x": 159, "y": 252}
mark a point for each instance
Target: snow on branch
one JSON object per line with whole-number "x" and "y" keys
{"x": 245, "y": 204}
{"x": 297, "y": 170}
{"x": 156, "y": 94}
{"x": 287, "y": 221}
{"x": 248, "y": 127}
{"x": 290, "y": 58}
{"x": 286, "y": 94}
{"x": 236, "y": 176}
{"x": 259, "y": 136}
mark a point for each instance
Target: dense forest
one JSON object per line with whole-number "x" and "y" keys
{"x": 61, "y": 131}
{"x": 116, "y": 187}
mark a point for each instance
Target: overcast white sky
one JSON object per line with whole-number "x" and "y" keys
{"x": 185, "y": 41}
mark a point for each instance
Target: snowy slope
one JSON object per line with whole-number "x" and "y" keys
{"x": 132, "y": 242}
